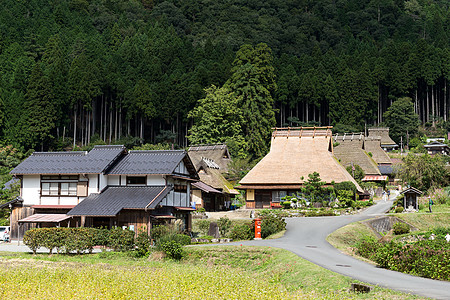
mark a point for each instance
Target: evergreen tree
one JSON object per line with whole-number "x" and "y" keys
{"x": 401, "y": 119}
{"x": 218, "y": 119}
{"x": 40, "y": 113}
{"x": 252, "y": 81}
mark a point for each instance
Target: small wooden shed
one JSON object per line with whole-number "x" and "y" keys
{"x": 410, "y": 198}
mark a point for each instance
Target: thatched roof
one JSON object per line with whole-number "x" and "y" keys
{"x": 217, "y": 153}
{"x": 215, "y": 179}
{"x": 383, "y": 133}
{"x": 294, "y": 154}
{"x": 373, "y": 145}
{"x": 350, "y": 151}
{"x": 211, "y": 161}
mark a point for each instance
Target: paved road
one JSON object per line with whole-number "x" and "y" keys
{"x": 306, "y": 237}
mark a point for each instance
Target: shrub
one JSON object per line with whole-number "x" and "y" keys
{"x": 31, "y": 238}
{"x": 242, "y": 232}
{"x": 424, "y": 258}
{"x": 224, "y": 225}
{"x": 203, "y": 226}
{"x": 344, "y": 186}
{"x": 367, "y": 247}
{"x": 158, "y": 231}
{"x": 121, "y": 239}
{"x": 79, "y": 239}
{"x": 345, "y": 198}
{"x": 440, "y": 196}
{"x": 400, "y": 228}
{"x": 142, "y": 243}
{"x": 101, "y": 237}
{"x": 172, "y": 249}
{"x": 286, "y": 204}
{"x": 181, "y": 239}
{"x": 200, "y": 210}
{"x": 399, "y": 209}
{"x": 271, "y": 224}
{"x": 58, "y": 239}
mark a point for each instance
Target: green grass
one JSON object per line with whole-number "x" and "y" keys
{"x": 425, "y": 221}
{"x": 225, "y": 272}
{"x": 346, "y": 237}
{"x": 437, "y": 208}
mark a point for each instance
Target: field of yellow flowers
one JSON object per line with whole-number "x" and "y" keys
{"x": 205, "y": 273}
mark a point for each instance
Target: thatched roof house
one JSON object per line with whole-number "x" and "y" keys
{"x": 213, "y": 192}
{"x": 383, "y": 133}
{"x": 294, "y": 154}
{"x": 217, "y": 152}
{"x": 350, "y": 151}
{"x": 372, "y": 145}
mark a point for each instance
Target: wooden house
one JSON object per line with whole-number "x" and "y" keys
{"x": 294, "y": 154}
{"x": 107, "y": 186}
{"x": 213, "y": 192}
{"x": 436, "y": 147}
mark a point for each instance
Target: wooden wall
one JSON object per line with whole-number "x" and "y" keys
{"x": 17, "y": 214}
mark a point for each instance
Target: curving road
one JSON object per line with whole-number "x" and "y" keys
{"x": 306, "y": 237}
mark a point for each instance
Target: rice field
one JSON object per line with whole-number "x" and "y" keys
{"x": 26, "y": 279}
{"x": 205, "y": 273}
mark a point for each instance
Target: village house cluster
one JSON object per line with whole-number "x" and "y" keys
{"x": 112, "y": 186}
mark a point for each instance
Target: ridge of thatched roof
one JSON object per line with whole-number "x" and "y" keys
{"x": 218, "y": 153}
{"x": 383, "y": 133}
{"x": 351, "y": 151}
{"x": 294, "y": 155}
{"x": 373, "y": 145}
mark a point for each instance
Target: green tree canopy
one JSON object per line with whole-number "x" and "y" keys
{"x": 423, "y": 171}
{"x": 313, "y": 187}
{"x": 218, "y": 119}
{"x": 41, "y": 113}
{"x": 401, "y": 119}
{"x": 252, "y": 82}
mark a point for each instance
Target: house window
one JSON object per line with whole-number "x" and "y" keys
{"x": 136, "y": 180}
{"x": 54, "y": 185}
{"x": 277, "y": 195}
{"x": 50, "y": 188}
{"x": 68, "y": 189}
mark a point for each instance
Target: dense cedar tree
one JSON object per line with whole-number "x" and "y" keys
{"x": 115, "y": 70}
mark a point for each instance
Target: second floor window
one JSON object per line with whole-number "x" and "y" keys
{"x": 136, "y": 180}
{"x": 59, "y": 185}
{"x": 59, "y": 189}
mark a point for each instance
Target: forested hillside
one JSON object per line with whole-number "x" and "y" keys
{"x": 80, "y": 70}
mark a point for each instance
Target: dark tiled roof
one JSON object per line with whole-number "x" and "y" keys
{"x": 149, "y": 162}
{"x": 386, "y": 170}
{"x": 96, "y": 161}
{"x": 436, "y": 144}
{"x": 206, "y": 188}
{"x": 14, "y": 201}
{"x": 113, "y": 199}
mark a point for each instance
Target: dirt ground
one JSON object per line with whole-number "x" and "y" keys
{"x": 232, "y": 214}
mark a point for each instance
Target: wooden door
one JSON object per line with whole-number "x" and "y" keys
{"x": 262, "y": 199}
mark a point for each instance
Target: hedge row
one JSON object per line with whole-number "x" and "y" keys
{"x": 78, "y": 239}
{"x": 425, "y": 258}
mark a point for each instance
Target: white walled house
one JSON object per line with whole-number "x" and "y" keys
{"x": 107, "y": 186}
